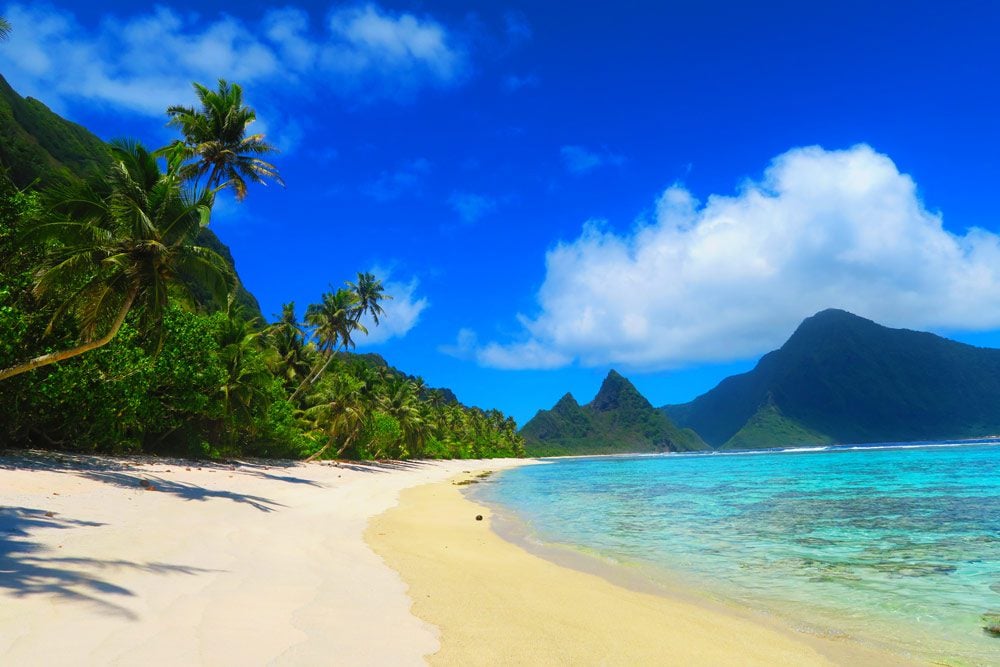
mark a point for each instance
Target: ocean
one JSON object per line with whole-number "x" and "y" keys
{"x": 894, "y": 545}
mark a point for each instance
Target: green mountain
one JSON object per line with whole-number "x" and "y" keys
{"x": 842, "y": 378}
{"x": 37, "y": 144}
{"x": 618, "y": 420}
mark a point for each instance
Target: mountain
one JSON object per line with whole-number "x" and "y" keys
{"x": 37, "y": 144}
{"x": 618, "y": 420}
{"x": 843, "y": 378}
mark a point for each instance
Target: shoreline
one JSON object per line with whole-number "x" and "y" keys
{"x": 168, "y": 561}
{"x": 496, "y": 601}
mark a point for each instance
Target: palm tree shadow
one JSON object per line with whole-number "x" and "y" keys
{"x": 179, "y": 489}
{"x": 381, "y": 466}
{"x": 282, "y": 478}
{"x": 27, "y": 569}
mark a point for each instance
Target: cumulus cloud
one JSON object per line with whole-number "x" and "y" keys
{"x": 396, "y": 52}
{"x": 402, "y": 312}
{"x": 732, "y": 277}
{"x": 146, "y": 61}
{"x": 580, "y": 160}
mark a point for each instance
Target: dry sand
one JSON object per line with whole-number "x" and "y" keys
{"x": 264, "y": 564}
{"x": 497, "y": 604}
{"x": 222, "y": 565}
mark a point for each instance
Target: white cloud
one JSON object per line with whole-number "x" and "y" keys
{"x": 146, "y": 61}
{"x": 402, "y": 312}
{"x": 530, "y": 354}
{"x": 464, "y": 347}
{"x": 731, "y": 278}
{"x": 471, "y": 207}
{"x": 397, "y": 53}
{"x": 580, "y": 160}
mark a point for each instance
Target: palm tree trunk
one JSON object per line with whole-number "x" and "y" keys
{"x": 53, "y": 357}
{"x": 328, "y": 445}
{"x": 311, "y": 378}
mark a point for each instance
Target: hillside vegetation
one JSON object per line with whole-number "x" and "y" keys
{"x": 124, "y": 327}
{"x": 618, "y": 420}
{"x": 842, "y": 378}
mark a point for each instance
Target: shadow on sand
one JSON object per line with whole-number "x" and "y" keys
{"x": 378, "y": 466}
{"x": 28, "y": 568}
{"x": 142, "y": 481}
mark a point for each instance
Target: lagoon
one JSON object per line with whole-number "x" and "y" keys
{"x": 893, "y": 545}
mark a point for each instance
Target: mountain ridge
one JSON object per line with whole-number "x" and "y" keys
{"x": 843, "y": 378}
{"x": 618, "y": 420}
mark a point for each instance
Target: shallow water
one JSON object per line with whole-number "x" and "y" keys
{"x": 897, "y": 544}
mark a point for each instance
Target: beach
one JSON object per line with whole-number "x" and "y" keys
{"x": 210, "y": 564}
{"x": 113, "y": 561}
{"x": 496, "y": 603}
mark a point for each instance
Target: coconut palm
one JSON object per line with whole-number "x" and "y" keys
{"x": 370, "y": 294}
{"x": 339, "y": 411}
{"x": 402, "y": 401}
{"x": 247, "y": 383}
{"x": 119, "y": 243}
{"x": 216, "y": 142}
{"x": 334, "y": 321}
{"x": 5, "y": 28}
{"x": 287, "y": 339}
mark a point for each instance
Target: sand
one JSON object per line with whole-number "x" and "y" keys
{"x": 496, "y": 603}
{"x": 267, "y": 565}
{"x": 219, "y": 565}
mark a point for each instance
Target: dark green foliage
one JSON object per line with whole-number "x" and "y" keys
{"x": 768, "y": 426}
{"x": 618, "y": 420}
{"x": 370, "y": 410}
{"x": 202, "y": 377}
{"x": 208, "y": 238}
{"x": 37, "y": 144}
{"x": 846, "y": 379}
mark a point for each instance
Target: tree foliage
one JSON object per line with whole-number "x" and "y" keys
{"x": 110, "y": 254}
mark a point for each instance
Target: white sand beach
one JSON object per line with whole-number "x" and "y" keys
{"x": 115, "y": 562}
{"x": 218, "y": 565}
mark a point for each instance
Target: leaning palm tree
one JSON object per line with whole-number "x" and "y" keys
{"x": 5, "y": 28}
{"x": 216, "y": 143}
{"x": 339, "y": 411}
{"x": 120, "y": 243}
{"x": 334, "y": 321}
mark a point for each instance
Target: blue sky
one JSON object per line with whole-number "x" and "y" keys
{"x": 663, "y": 188}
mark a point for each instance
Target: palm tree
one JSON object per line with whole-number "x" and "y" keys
{"x": 247, "y": 383}
{"x": 118, "y": 243}
{"x": 287, "y": 339}
{"x": 402, "y": 401}
{"x": 334, "y": 322}
{"x": 339, "y": 411}
{"x": 370, "y": 294}
{"x": 5, "y": 28}
{"x": 216, "y": 139}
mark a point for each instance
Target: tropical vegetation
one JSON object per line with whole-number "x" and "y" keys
{"x": 124, "y": 327}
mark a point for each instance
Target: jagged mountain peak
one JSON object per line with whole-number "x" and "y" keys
{"x": 617, "y": 392}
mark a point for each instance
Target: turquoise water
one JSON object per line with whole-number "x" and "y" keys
{"x": 895, "y": 545}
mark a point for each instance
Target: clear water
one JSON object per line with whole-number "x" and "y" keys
{"x": 896, "y": 545}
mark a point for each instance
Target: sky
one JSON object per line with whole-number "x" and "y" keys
{"x": 550, "y": 191}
